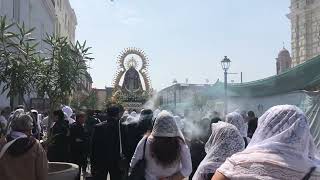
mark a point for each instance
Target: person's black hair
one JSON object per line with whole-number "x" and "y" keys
{"x": 251, "y": 114}
{"x": 166, "y": 150}
{"x": 97, "y": 111}
{"x": 113, "y": 111}
{"x": 19, "y": 107}
{"x": 215, "y": 120}
{"x": 59, "y": 113}
{"x": 146, "y": 112}
{"x": 146, "y": 122}
{"x": 34, "y": 116}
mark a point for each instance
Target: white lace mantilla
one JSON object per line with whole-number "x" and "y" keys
{"x": 281, "y": 148}
{"x": 263, "y": 171}
{"x": 224, "y": 141}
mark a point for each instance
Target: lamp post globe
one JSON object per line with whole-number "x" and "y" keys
{"x": 225, "y": 63}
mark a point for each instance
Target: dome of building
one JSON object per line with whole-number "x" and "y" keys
{"x": 284, "y": 53}
{"x": 284, "y": 61}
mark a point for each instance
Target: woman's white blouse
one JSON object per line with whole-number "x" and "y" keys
{"x": 155, "y": 171}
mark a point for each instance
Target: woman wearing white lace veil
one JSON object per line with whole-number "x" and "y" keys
{"x": 237, "y": 120}
{"x": 224, "y": 141}
{"x": 166, "y": 154}
{"x": 281, "y": 148}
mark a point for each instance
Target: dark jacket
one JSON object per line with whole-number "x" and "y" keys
{"x": 133, "y": 136}
{"x": 79, "y": 144}
{"x": 90, "y": 123}
{"x": 197, "y": 151}
{"x": 252, "y": 126}
{"x": 58, "y": 148}
{"x": 105, "y": 149}
{"x": 134, "y": 132}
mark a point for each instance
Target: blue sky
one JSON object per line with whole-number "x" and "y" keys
{"x": 184, "y": 38}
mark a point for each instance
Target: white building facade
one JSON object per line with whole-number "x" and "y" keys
{"x": 38, "y": 14}
{"x": 66, "y": 27}
{"x": 305, "y": 30}
{"x": 46, "y": 16}
{"x": 66, "y": 20}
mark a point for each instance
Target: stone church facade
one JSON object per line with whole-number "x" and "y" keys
{"x": 305, "y": 30}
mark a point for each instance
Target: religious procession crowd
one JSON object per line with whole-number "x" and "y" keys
{"x": 159, "y": 145}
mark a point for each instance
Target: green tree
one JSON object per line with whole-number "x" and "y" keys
{"x": 19, "y": 60}
{"x": 23, "y": 70}
{"x": 90, "y": 101}
{"x": 61, "y": 71}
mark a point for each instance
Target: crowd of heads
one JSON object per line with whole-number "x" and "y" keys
{"x": 16, "y": 120}
{"x": 19, "y": 120}
{"x": 212, "y": 139}
{"x": 281, "y": 129}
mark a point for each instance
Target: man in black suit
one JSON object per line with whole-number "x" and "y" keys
{"x": 135, "y": 131}
{"x": 105, "y": 146}
{"x": 79, "y": 142}
{"x": 252, "y": 123}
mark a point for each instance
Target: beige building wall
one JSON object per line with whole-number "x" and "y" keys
{"x": 305, "y": 30}
{"x": 66, "y": 20}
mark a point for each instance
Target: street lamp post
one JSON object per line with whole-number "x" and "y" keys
{"x": 225, "y": 63}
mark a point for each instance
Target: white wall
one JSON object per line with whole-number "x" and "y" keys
{"x": 33, "y": 13}
{"x": 6, "y": 9}
{"x": 67, "y": 20}
{"x": 42, "y": 19}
